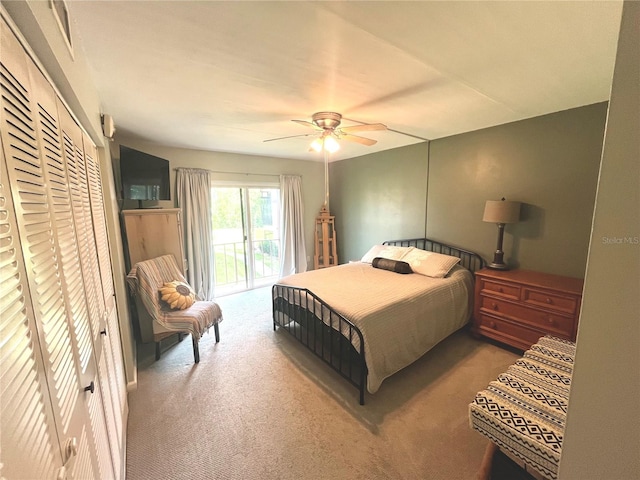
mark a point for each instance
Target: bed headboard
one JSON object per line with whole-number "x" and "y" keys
{"x": 469, "y": 260}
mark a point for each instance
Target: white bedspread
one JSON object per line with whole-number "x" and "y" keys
{"x": 401, "y": 317}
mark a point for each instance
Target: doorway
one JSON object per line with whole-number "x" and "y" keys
{"x": 246, "y": 237}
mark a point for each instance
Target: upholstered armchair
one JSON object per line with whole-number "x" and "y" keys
{"x": 145, "y": 281}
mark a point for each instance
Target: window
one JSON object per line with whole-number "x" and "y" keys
{"x": 246, "y": 237}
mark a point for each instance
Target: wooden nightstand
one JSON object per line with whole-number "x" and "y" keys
{"x": 517, "y": 307}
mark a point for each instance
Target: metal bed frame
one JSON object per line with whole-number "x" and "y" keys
{"x": 328, "y": 334}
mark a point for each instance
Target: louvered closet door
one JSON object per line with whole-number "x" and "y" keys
{"x": 29, "y": 445}
{"x": 80, "y": 167}
{"x": 113, "y": 370}
{"x": 100, "y": 409}
{"x": 55, "y": 178}
{"x": 30, "y": 139}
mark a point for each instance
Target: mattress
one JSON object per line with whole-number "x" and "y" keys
{"x": 401, "y": 317}
{"x": 524, "y": 410}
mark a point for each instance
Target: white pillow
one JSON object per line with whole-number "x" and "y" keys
{"x": 385, "y": 251}
{"x": 430, "y": 264}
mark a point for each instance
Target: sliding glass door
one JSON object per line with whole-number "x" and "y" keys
{"x": 246, "y": 237}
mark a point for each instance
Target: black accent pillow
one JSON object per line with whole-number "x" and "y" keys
{"x": 391, "y": 265}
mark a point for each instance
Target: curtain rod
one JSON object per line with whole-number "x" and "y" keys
{"x": 234, "y": 173}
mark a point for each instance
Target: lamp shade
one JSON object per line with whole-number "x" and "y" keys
{"x": 326, "y": 142}
{"x": 501, "y": 211}
{"x": 331, "y": 144}
{"x": 316, "y": 145}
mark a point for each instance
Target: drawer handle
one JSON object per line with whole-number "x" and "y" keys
{"x": 549, "y": 301}
{"x": 492, "y": 324}
{"x": 494, "y": 305}
{"x": 550, "y": 320}
{"x": 500, "y": 289}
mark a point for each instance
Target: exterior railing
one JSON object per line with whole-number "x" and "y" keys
{"x": 230, "y": 261}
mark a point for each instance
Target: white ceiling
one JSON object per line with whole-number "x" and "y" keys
{"x": 227, "y": 75}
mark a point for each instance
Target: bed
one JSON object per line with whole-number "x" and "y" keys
{"x": 368, "y": 322}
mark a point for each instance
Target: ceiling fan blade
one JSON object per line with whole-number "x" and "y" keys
{"x": 304, "y": 123}
{"x": 290, "y": 136}
{"x": 358, "y": 139}
{"x": 367, "y": 127}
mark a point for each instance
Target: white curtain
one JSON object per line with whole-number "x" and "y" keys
{"x": 193, "y": 187}
{"x": 294, "y": 253}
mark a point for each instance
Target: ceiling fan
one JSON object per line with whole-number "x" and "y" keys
{"x": 328, "y": 132}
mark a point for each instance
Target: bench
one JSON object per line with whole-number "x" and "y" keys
{"x": 524, "y": 410}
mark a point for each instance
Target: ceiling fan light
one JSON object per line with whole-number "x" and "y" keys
{"x": 331, "y": 144}
{"x": 317, "y": 145}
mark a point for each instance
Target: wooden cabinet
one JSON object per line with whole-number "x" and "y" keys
{"x": 153, "y": 232}
{"x": 63, "y": 404}
{"x": 517, "y": 307}
{"x": 150, "y": 233}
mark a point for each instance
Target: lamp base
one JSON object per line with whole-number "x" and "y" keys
{"x": 498, "y": 256}
{"x": 497, "y": 266}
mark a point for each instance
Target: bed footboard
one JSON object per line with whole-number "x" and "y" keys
{"x": 329, "y": 335}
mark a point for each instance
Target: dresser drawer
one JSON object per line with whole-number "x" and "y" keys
{"x": 551, "y": 301}
{"x": 551, "y": 322}
{"x": 500, "y": 329}
{"x": 501, "y": 289}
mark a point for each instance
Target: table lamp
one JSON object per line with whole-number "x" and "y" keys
{"x": 500, "y": 212}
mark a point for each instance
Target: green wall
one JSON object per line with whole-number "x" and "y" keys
{"x": 378, "y": 197}
{"x": 550, "y": 163}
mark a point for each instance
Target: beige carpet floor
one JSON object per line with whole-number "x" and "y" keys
{"x": 259, "y": 406}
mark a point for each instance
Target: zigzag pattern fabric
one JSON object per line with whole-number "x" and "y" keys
{"x": 146, "y": 278}
{"x": 524, "y": 410}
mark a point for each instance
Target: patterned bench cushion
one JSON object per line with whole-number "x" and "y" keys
{"x": 524, "y": 410}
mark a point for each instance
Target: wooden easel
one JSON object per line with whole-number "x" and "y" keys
{"x": 326, "y": 254}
